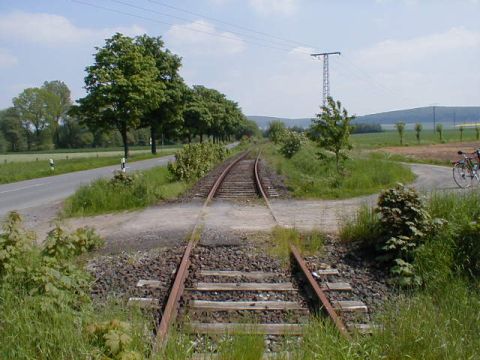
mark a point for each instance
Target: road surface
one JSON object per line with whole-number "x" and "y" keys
{"x": 32, "y": 193}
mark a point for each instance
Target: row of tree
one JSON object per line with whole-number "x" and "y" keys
{"x": 135, "y": 83}
{"x": 134, "y": 95}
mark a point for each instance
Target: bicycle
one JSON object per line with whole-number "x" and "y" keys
{"x": 466, "y": 169}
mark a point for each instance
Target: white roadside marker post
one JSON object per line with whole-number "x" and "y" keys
{"x": 123, "y": 165}
{"x": 52, "y": 165}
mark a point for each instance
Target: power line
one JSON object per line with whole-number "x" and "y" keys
{"x": 172, "y": 24}
{"x": 150, "y": 10}
{"x": 230, "y": 24}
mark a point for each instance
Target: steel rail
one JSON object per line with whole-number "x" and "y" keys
{"x": 326, "y": 305}
{"x": 171, "y": 308}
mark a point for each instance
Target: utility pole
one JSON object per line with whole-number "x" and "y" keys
{"x": 326, "y": 73}
{"x": 434, "y": 129}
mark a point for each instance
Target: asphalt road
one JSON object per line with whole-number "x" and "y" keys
{"x": 42, "y": 191}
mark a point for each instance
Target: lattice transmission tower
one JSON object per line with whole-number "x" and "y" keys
{"x": 326, "y": 73}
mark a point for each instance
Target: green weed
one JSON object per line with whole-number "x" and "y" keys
{"x": 101, "y": 196}
{"x": 307, "y": 242}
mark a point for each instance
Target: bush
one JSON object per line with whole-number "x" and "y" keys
{"x": 196, "y": 160}
{"x": 15, "y": 242}
{"x": 62, "y": 245}
{"x": 291, "y": 143}
{"x": 405, "y": 223}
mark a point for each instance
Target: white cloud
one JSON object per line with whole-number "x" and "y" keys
{"x": 50, "y": 29}
{"x": 266, "y": 7}
{"x": 201, "y": 37}
{"x": 7, "y": 59}
{"x": 393, "y": 53}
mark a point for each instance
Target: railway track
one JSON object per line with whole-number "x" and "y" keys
{"x": 245, "y": 292}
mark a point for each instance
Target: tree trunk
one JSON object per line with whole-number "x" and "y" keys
{"x": 124, "y": 139}
{"x": 337, "y": 158}
{"x": 153, "y": 136}
{"x": 189, "y": 138}
{"x": 201, "y": 138}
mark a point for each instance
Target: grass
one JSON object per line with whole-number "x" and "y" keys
{"x": 25, "y": 170}
{"x": 309, "y": 177}
{"x": 58, "y": 154}
{"x": 102, "y": 196}
{"x": 308, "y": 243}
{"x": 427, "y": 137}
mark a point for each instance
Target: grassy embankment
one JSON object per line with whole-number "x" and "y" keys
{"x": 24, "y": 167}
{"x": 309, "y": 177}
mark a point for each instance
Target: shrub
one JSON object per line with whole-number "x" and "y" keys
{"x": 276, "y": 130}
{"x": 405, "y": 223}
{"x": 113, "y": 338}
{"x": 15, "y": 242}
{"x": 121, "y": 178}
{"x": 62, "y": 245}
{"x": 196, "y": 160}
{"x": 291, "y": 143}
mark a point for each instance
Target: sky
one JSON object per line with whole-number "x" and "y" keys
{"x": 395, "y": 54}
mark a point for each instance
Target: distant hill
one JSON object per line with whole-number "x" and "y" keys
{"x": 443, "y": 114}
{"x": 448, "y": 115}
{"x": 263, "y": 121}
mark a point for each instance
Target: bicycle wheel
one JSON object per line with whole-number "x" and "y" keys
{"x": 462, "y": 175}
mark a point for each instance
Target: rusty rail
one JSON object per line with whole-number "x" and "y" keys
{"x": 326, "y": 305}
{"x": 171, "y": 308}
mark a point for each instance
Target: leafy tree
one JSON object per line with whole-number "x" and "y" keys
{"x": 35, "y": 107}
{"x": 400, "y": 126}
{"x": 331, "y": 129}
{"x": 72, "y": 134}
{"x": 197, "y": 117}
{"x": 122, "y": 87}
{"x": 248, "y": 128}
{"x": 60, "y": 105}
{"x": 276, "y": 130}
{"x": 439, "y": 130}
{"x": 418, "y": 130}
{"x": 168, "y": 111}
{"x": 11, "y": 127}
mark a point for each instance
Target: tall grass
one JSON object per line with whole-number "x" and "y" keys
{"x": 308, "y": 177}
{"x": 148, "y": 187}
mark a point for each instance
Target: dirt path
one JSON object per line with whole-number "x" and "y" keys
{"x": 168, "y": 224}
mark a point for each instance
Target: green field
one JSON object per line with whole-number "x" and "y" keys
{"x": 25, "y": 170}
{"x": 427, "y": 137}
{"x": 66, "y": 154}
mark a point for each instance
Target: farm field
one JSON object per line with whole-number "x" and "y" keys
{"x": 65, "y": 154}
{"x": 427, "y": 137}
{"x": 25, "y": 170}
